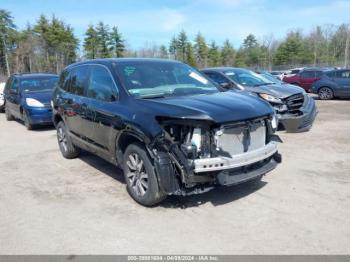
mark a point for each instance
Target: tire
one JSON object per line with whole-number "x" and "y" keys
{"x": 9, "y": 117}
{"x": 27, "y": 124}
{"x": 141, "y": 180}
{"x": 325, "y": 93}
{"x": 68, "y": 149}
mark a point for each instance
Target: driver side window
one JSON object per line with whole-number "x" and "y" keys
{"x": 101, "y": 85}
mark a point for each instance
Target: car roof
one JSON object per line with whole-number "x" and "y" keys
{"x": 34, "y": 75}
{"x": 105, "y": 61}
{"x": 223, "y": 69}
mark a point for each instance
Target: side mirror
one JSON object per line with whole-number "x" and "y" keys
{"x": 226, "y": 85}
{"x": 13, "y": 92}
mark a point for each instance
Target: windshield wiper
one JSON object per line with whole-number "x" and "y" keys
{"x": 264, "y": 84}
{"x": 152, "y": 96}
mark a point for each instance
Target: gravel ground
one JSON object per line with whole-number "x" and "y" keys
{"x": 50, "y": 205}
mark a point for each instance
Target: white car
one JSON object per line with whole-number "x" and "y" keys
{"x": 2, "y": 99}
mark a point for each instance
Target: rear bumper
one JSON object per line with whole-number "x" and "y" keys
{"x": 302, "y": 123}
{"x": 40, "y": 116}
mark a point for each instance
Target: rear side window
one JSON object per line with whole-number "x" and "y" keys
{"x": 64, "y": 80}
{"x": 217, "y": 78}
{"x": 78, "y": 80}
{"x": 318, "y": 73}
{"x": 101, "y": 85}
{"x": 343, "y": 74}
{"x": 307, "y": 74}
{"x": 330, "y": 74}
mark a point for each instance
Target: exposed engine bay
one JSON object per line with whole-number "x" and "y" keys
{"x": 193, "y": 156}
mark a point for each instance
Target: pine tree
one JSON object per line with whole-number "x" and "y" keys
{"x": 117, "y": 42}
{"x": 7, "y": 26}
{"x": 201, "y": 51}
{"x": 213, "y": 55}
{"x": 173, "y": 47}
{"x": 228, "y": 54}
{"x": 104, "y": 41}
{"x": 182, "y": 42}
{"x": 190, "y": 58}
{"x": 91, "y": 42}
{"x": 163, "y": 52}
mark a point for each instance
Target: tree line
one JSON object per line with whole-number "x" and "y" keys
{"x": 49, "y": 45}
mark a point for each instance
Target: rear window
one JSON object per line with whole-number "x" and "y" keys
{"x": 38, "y": 84}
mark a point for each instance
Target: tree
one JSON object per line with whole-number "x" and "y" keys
{"x": 182, "y": 42}
{"x": 91, "y": 42}
{"x": 227, "y": 54}
{"x": 6, "y": 27}
{"x": 190, "y": 58}
{"x": 104, "y": 41}
{"x": 173, "y": 47}
{"x": 163, "y": 52}
{"x": 201, "y": 51}
{"x": 213, "y": 54}
{"x": 117, "y": 42}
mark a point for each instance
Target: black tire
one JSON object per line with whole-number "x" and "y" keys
{"x": 27, "y": 124}
{"x": 9, "y": 117}
{"x": 140, "y": 177}
{"x": 68, "y": 149}
{"x": 325, "y": 93}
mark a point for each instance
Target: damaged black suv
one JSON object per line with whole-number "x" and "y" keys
{"x": 165, "y": 124}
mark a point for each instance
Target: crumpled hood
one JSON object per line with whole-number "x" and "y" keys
{"x": 42, "y": 96}
{"x": 277, "y": 90}
{"x": 219, "y": 107}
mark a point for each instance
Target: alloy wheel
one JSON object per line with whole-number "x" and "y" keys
{"x": 136, "y": 174}
{"x": 62, "y": 139}
{"x": 325, "y": 93}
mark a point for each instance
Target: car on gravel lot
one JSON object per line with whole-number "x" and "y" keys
{"x": 28, "y": 97}
{"x": 296, "y": 111}
{"x": 169, "y": 127}
{"x": 304, "y": 78}
{"x": 333, "y": 84}
{"x": 2, "y": 98}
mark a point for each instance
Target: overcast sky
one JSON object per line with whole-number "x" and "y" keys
{"x": 156, "y": 21}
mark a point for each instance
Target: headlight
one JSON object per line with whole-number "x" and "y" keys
{"x": 270, "y": 98}
{"x": 34, "y": 103}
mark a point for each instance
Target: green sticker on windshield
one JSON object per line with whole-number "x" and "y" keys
{"x": 129, "y": 70}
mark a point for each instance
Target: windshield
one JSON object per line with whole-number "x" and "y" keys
{"x": 38, "y": 84}
{"x": 154, "y": 79}
{"x": 270, "y": 77}
{"x": 247, "y": 78}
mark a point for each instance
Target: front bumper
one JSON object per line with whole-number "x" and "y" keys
{"x": 300, "y": 123}
{"x": 40, "y": 115}
{"x": 247, "y": 158}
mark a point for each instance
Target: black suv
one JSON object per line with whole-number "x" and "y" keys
{"x": 165, "y": 124}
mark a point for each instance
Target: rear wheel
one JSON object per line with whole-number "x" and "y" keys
{"x": 26, "y": 121}
{"x": 9, "y": 117}
{"x": 68, "y": 149}
{"x": 325, "y": 93}
{"x": 140, "y": 177}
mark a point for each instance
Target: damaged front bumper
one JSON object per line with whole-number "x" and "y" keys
{"x": 302, "y": 122}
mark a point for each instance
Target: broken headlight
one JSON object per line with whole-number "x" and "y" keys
{"x": 270, "y": 98}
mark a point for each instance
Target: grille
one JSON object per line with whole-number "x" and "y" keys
{"x": 294, "y": 103}
{"x": 232, "y": 140}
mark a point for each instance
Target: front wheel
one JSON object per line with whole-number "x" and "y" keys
{"x": 140, "y": 177}
{"x": 67, "y": 148}
{"x": 9, "y": 117}
{"x": 26, "y": 121}
{"x": 325, "y": 93}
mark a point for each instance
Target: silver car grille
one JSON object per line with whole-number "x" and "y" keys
{"x": 294, "y": 103}
{"x": 231, "y": 140}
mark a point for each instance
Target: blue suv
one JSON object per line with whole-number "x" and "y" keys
{"x": 335, "y": 83}
{"x": 28, "y": 98}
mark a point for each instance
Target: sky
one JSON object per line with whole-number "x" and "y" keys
{"x": 148, "y": 22}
